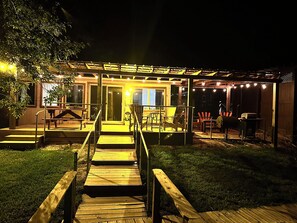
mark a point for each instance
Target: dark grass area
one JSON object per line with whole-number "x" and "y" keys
{"x": 217, "y": 178}
{"x": 27, "y": 177}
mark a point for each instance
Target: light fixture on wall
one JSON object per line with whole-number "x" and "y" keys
{"x": 264, "y": 86}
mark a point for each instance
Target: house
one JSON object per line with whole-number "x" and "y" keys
{"x": 116, "y": 86}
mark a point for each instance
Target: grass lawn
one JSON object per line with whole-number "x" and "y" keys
{"x": 216, "y": 178}
{"x": 27, "y": 177}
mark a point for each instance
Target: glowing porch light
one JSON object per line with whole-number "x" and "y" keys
{"x": 193, "y": 89}
{"x": 8, "y": 68}
{"x": 224, "y": 90}
{"x": 183, "y": 88}
{"x": 203, "y": 83}
{"x": 255, "y": 84}
{"x": 79, "y": 76}
{"x": 214, "y": 90}
{"x": 247, "y": 85}
{"x": 203, "y": 89}
{"x": 241, "y": 85}
{"x": 264, "y": 86}
{"x": 218, "y": 83}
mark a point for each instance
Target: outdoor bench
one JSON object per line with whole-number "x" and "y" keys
{"x": 49, "y": 120}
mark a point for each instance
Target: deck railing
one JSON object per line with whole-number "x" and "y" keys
{"x": 176, "y": 118}
{"x": 143, "y": 157}
{"x": 65, "y": 188}
{"x": 96, "y": 128}
{"x": 185, "y": 209}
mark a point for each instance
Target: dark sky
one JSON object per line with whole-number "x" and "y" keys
{"x": 237, "y": 34}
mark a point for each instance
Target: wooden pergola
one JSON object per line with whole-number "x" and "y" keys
{"x": 191, "y": 77}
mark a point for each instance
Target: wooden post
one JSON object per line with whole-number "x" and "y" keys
{"x": 190, "y": 112}
{"x": 69, "y": 203}
{"x": 275, "y": 103}
{"x": 294, "y": 139}
{"x": 228, "y": 98}
{"x": 75, "y": 161}
{"x": 156, "y": 217}
{"x": 148, "y": 181}
{"x": 88, "y": 156}
{"x": 180, "y": 93}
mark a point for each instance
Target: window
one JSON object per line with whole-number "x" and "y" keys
{"x": 31, "y": 93}
{"x": 46, "y": 87}
{"x": 75, "y": 95}
{"x": 149, "y": 96}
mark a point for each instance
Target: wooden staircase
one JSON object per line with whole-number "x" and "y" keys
{"x": 20, "y": 140}
{"x": 113, "y": 189}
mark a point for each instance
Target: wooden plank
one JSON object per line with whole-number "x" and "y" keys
{"x": 182, "y": 204}
{"x": 51, "y": 202}
{"x": 206, "y": 217}
{"x": 234, "y": 217}
{"x": 110, "y": 206}
{"x": 112, "y": 200}
{"x": 110, "y": 211}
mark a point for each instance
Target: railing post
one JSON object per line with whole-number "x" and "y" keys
{"x": 75, "y": 161}
{"x": 36, "y": 129}
{"x": 148, "y": 180}
{"x": 140, "y": 156}
{"x": 69, "y": 201}
{"x": 88, "y": 156}
{"x": 156, "y": 217}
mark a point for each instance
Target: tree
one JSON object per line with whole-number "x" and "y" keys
{"x": 32, "y": 38}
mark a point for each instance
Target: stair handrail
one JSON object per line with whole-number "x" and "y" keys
{"x": 65, "y": 188}
{"x": 185, "y": 209}
{"x": 36, "y": 125}
{"x": 97, "y": 123}
{"x": 148, "y": 168}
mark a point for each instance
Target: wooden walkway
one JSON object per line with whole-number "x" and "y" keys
{"x": 113, "y": 188}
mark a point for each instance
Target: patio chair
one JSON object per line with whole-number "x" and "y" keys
{"x": 174, "y": 118}
{"x": 139, "y": 113}
{"x": 203, "y": 118}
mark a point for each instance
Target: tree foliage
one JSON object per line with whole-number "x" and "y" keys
{"x": 32, "y": 37}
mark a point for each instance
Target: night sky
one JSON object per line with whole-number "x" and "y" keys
{"x": 241, "y": 35}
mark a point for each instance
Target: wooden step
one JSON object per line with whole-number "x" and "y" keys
{"x": 17, "y": 145}
{"x": 113, "y": 180}
{"x": 105, "y": 209}
{"x": 114, "y": 157}
{"x": 115, "y": 141}
{"x": 22, "y": 137}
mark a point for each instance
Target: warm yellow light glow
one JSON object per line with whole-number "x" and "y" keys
{"x": 214, "y": 90}
{"x": 247, "y": 85}
{"x": 264, "y": 86}
{"x": 203, "y": 83}
{"x": 193, "y": 89}
{"x": 203, "y": 89}
{"x": 173, "y": 82}
{"x": 218, "y": 83}
{"x": 241, "y": 85}
{"x": 128, "y": 93}
{"x": 224, "y": 90}
{"x": 255, "y": 84}
{"x": 8, "y": 68}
